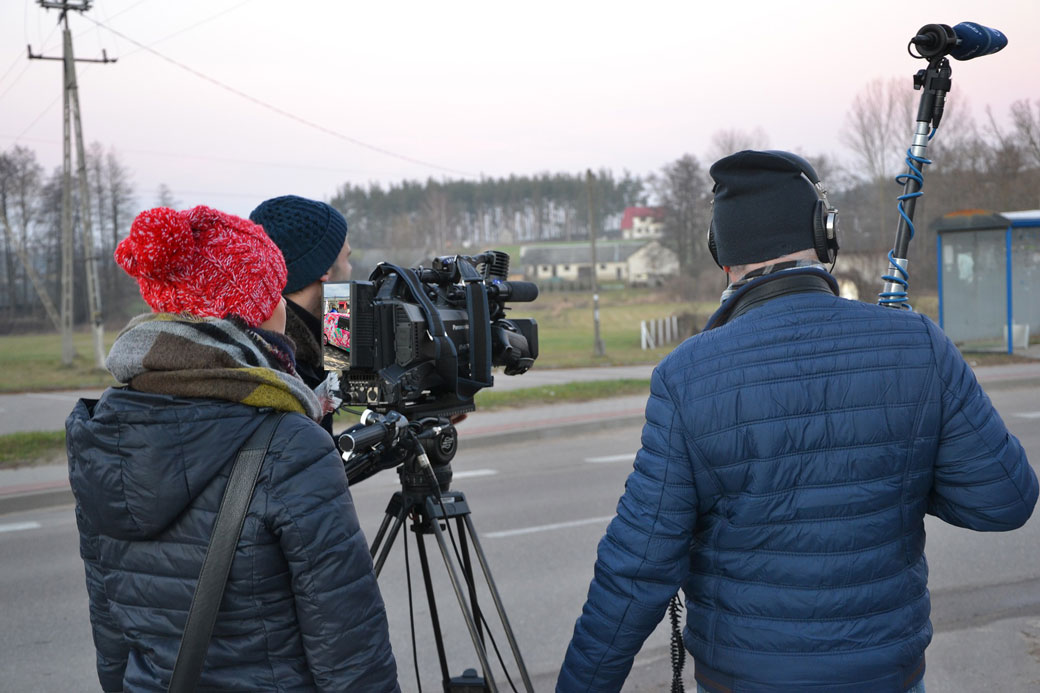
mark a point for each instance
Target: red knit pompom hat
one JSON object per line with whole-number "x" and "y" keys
{"x": 203, "y": 262}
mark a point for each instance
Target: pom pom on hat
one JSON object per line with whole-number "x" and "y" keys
{"x": 204, "y": 262}
{"x": 163, "y": 243}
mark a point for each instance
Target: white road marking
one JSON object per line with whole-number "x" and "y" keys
{"x": 627, "y": 457}
{"x": 547, "y": 528}
{"x": 1028, "y": 415}
{"x": 19, "y": 526}
{"x": 470, "y": 473}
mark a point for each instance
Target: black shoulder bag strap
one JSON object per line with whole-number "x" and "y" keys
{"x": 205, "y": 603}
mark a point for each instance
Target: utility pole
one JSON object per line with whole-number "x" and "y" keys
{"x": 72, "y": 121}
{"x": 599, "y": 350}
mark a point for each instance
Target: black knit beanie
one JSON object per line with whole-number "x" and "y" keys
{"x": 763, "y": 206}
{"x": 309, "y": 233}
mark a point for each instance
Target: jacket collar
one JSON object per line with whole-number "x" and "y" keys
{"x": 765, "y": 288}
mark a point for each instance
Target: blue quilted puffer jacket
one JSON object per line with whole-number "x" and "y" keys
{"x": 301, "y": 611}
{"x": 788, "y": 460}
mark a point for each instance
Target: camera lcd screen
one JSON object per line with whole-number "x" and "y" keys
{"x": 335, "y": 326}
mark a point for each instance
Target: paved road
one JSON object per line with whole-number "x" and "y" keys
{"x": 540, "y": 507}
{"x": 46, "y": 411}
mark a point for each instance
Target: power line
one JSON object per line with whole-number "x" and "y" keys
{"x": 226, "y": 160}
{"x": 284, "y": 113}
{"x": 19, "y": 57}
{"x": 8, "y": 70}
{"x": 100, "y": 26}
{"x": 127, "y": 9}
{"x": 188, "y": 28}
{"x": 16, "y": 80}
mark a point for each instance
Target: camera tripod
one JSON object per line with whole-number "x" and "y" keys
{"x": 424, "y": 498}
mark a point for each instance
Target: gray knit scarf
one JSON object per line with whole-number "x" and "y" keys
{"x": 188, "y": 356}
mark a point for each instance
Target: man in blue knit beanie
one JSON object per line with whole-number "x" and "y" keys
{"x": 312, "y": 236}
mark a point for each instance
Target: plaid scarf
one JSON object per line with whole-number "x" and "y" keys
{"x": 188, "y": 356}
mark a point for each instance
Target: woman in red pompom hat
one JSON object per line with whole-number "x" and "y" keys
{"x": 149, "y": 462}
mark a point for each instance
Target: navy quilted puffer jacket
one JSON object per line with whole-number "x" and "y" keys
{"x": 302, "y": 610}
{"x": 788, "y": 460}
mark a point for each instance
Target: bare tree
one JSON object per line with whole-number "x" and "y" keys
{"x": 880, "y": 122}
{"x": 726, "y": 142}
{"x": 435, "y": 215}
{"x": 20, "y": 184}
{"x": 121, "y": 202}
{"x": 1026, "y": 122}
{"x": 1006, "y": 164}
{"x": 682, "y": 189}
{"x": 10, "y": 250}
{"x": 164, "y": 197}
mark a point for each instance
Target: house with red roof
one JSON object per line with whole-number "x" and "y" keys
{"x": 642, "y": 223}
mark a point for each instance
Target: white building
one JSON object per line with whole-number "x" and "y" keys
{"x": 642, "y": 223}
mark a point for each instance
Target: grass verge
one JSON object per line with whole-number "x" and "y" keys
{"x": 32, "y": 362}
{"x": 489, "y": 400}
{"x": 26, "y": 449}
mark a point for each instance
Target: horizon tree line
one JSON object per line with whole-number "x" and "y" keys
{"x": 980, "y": 163}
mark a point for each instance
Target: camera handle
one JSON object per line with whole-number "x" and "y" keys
{"x": 421, "y": 499}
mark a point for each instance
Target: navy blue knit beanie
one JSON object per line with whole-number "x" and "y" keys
{"x": 309, "y": 233}
{"x": 763, "y": 206}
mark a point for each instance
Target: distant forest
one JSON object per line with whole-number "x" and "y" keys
{"x": 981, "y": 163}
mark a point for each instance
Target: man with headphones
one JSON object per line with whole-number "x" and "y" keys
{"x": 790, "y": 454}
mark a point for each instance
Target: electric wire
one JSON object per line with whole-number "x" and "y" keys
{"x": 282, "y": 112}
{"x": 218, "y": 159}
{"x": 915, "y": 172}
{"x": 188, "y": 28}
{"x": 25, "y": 69}
{"x": 16, "y": 80}
{"x": 8, "y": 70}
{"x": 99, "y": 26}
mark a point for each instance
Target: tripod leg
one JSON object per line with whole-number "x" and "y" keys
{"x": 467, "y": 572}
{"x": 398, "y": 521}
{"x": 434, "y": 619}
{"x": 478, "y": 549}
{"x": 466, "y": 612}
{"x": 379, "y": 534}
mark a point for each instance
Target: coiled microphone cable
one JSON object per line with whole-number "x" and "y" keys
{"x": 677, "y": 647}
{"x": 915, "y": 172}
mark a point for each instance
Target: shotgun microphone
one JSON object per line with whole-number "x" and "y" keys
{"x": 965, "y": 41}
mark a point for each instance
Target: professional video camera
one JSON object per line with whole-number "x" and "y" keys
{"x": 423, "y": 341}
{"x": 414, "y": 346}
{"x": 420, "y": 342}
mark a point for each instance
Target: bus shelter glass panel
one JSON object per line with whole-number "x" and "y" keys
{"x": 1025, "y": 283}
{"x": 975, "y": 289}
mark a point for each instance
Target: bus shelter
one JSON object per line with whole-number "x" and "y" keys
{"x": 989, "y": 278}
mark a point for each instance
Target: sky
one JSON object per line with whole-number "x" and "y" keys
{"x": 229, "y": 102}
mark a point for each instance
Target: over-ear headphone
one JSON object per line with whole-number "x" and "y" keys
{"x": 824, "y": 218}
